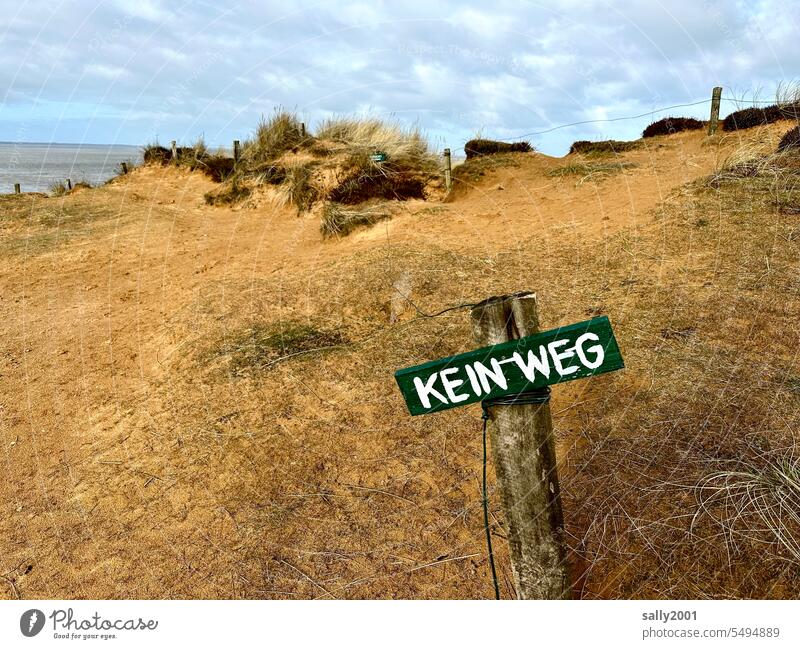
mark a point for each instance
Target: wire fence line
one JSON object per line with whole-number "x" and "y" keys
{"x": 652, "y": 112}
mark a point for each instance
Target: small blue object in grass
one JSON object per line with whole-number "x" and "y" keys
{"x": 378, "y": 156}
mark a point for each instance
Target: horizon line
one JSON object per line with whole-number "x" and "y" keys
{"x": 69, "y": 143}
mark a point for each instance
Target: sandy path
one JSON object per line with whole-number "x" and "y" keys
{"x": 84, "y": 332}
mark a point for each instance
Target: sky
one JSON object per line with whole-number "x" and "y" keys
{"x": 133, "y": 71}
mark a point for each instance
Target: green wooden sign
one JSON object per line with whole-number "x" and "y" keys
{"x": 565, "y": 354}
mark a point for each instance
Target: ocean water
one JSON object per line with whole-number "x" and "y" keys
{"x": 37, "y": 166}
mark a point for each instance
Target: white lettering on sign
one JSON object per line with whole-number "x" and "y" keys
{"x": 482, "y": 379}
{"x": 425, "y": 391}
{"x": 597, "y": 350}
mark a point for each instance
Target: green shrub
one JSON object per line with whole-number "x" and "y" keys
{"x": 480, "y": 147}
{"x": 603, "y": 147}
{"x": 750, "y": 117}
{"x": 670, "y": 125}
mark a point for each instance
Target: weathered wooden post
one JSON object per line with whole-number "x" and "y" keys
{"x": 510, "y": 376}
{"x": 124, "y": 166}
{"x": 448, "y": 181}
{"x": 69, "y": 184}
{"x": 525, "y": 463}
{"x": 302, "y": 129}
{"x": 16, "y": 188}
{"x": 174, "y": 151}
{"x": 716, "y": 96}
{"x": 236, "y": 150}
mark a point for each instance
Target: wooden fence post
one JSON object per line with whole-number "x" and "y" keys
{"x": 124, "y": 166}
{"x": 524, "y": 455}
{"x": 16, "y": 188}
{"x": 236, "y": 150}
{"x": 302, "y": 129}
{"x": 69, "y": 184}
{"x": 713, "y": 121}
{"x": 174, "y": 150}
{"x": 448, "y": 180}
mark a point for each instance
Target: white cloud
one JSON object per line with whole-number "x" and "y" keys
{"x": 511, "y": 69}
{"x": 103, "y": 71}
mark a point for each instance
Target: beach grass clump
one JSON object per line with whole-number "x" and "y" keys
{"x": 404, "y": 148}
{"x": 296, "y": 186}
{"x": 58, "y": 188}
{"x": 274, "y": 136}
{"x": 216, "y": 166}
{"x": 670, "y": 125}
{"x": 482, "y": 147}
{"x": 155, "y": 154}
{"x": 339, "y": 221}
{"x": 378, "y": 159}
{"x": 348, "y": 161}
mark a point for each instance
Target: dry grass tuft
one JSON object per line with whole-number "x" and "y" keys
{"x": 755, "y": 501}
{"x": 296, "y": 187}
{"x": 405, "y": 148}
{"x": 341, "y": 221}
{"x": 273, "y": 137}
{"x": 58, "y": 188}
{"x": 752, "y": 156}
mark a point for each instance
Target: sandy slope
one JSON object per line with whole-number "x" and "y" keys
{"x": 122, "y": 475}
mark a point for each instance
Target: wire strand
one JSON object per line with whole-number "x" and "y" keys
{"x": 620, "y": 119}
{"x": 486, "y": 513}
{"x": 531, "y": 397}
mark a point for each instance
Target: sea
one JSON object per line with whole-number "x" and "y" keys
{"x": 36, "y": 167}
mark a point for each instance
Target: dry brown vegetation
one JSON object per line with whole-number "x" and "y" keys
{"x": 200, "y": 402}
{"x": 347, "y": 162}
{"x": 604, "y": 147}
{"x": 671, "y": 125}
{"x": 216, "y": 166}
{"x": 482, "y": 147}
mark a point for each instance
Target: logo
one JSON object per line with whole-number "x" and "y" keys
{"x": 31, "y": 622}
